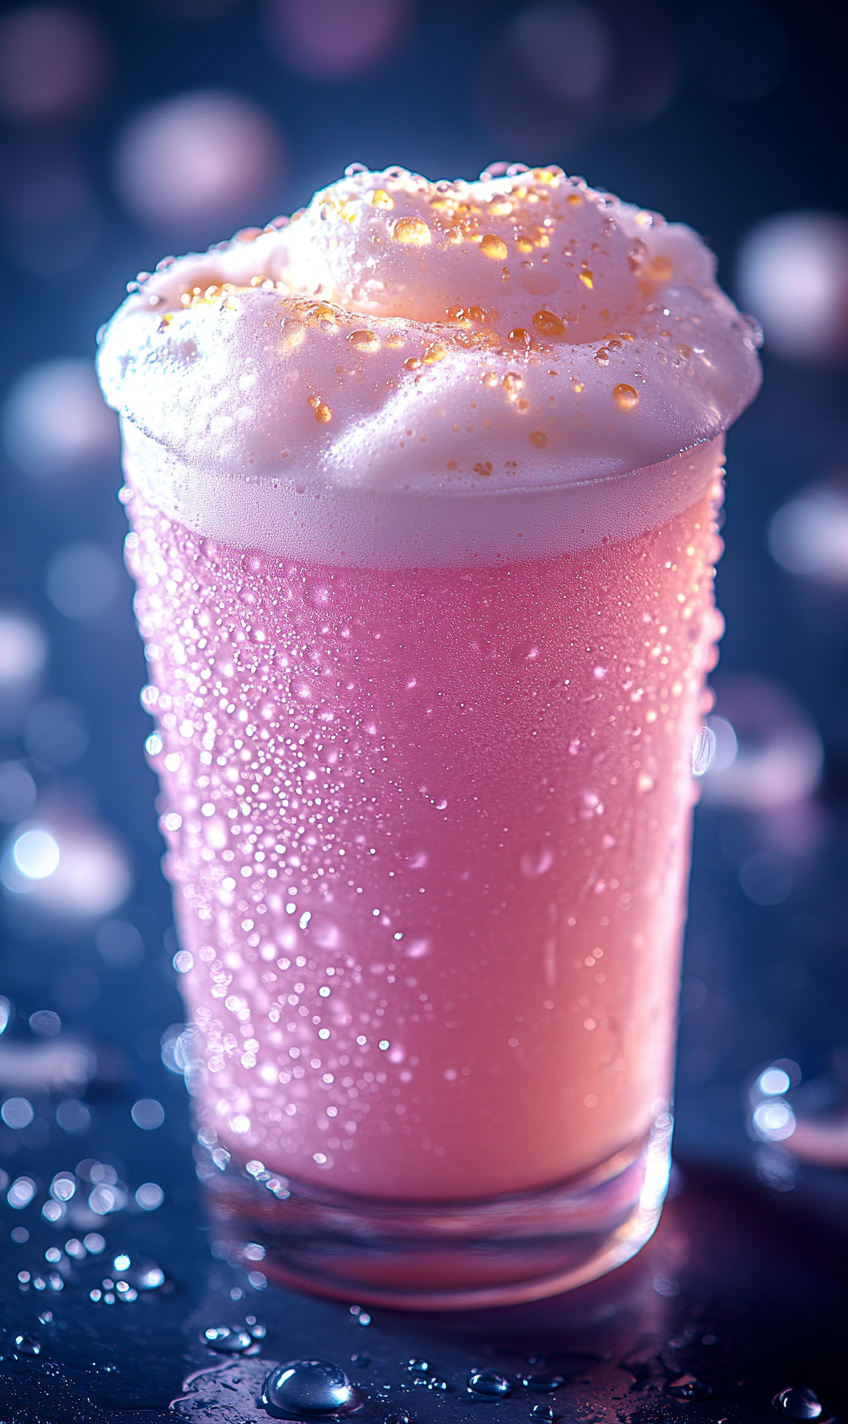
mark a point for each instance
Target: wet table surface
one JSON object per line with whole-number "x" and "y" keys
{"x": 742, "y": 1293}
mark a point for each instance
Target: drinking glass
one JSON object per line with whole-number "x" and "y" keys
{"x": 428, "y": 821}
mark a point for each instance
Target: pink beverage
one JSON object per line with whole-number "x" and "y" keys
{"x": 426, "y": 588}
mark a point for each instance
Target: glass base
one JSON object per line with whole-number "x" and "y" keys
{"x": 442, "y": 1255}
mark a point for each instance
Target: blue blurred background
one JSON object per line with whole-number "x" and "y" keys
{"x": 129, "y": 131}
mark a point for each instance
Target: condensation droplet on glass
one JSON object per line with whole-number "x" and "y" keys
{"x": 703, "y": 750}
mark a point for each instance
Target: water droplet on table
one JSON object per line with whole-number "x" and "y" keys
{"x": 308, "y": 1388}
{"x": 687, "y": 1387}
{"x": 542, "y": 1414}
{"x": 489, "y": 1383}
{"x": 29, "y": 1345}
{"x": 227, "y": 1339}
{"x": 418, "y": 1367}
{"x": 798, "y": 1403}
{"x": 543, "y": 1381}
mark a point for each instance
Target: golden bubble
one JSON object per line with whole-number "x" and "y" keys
{"x": 437, "y": 351}
{"x": 602, "y": 356}
{"x": 412, "y": 231}
{"x": 518, "y": 334}
{"x": 524, "y": 243}
{"x": 577, "y": 386}
{"x": 586, "y": 277}
{"x": 314, "y": 401}
{"x": 549, "y": 325}
{"x": 381, "y": 199}
{"x": 294, "y": 334}
{"x": 659, "y": 269}
{"x": 625, "y": 397}
{"x": 539, "y": 439}
{"x": 489, "y": 378}
{"x": 395, "y": 340}
{"x": 494, "y": 247}
{"x": 546, "y": 175}
{"x": 412, "y": 363}
{"x": 363, "y": 340}
{"x": 512, "y": 383}
{"x": 323, "y": 413}
{"x": 574, "y": 199}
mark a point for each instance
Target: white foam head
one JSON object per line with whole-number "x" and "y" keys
{"x": 399, "y": 344}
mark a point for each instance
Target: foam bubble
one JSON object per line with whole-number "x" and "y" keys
{"x": 430, "y": 341}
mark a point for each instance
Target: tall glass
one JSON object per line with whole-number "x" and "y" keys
{"x": 428, "y": 823}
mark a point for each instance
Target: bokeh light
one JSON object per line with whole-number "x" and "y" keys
{"x": 774, "y": 1081}
{"x": 202, "y": 157}
{"x": 81, "y": 581}
{"x": 120, "y": 944}
{"x": 808, "y": 536}
{"x": 23, "y": 649}
{"x": 739, "y": 48}
{"x": 21, "y": 1193}
{"x": 569, "y": 67}
{"x": 55, "y": 732}
{"x": 565, "y": 46}
{"x": 773, "y": 1121}
{"x": 68, "y": 866}
{"x": 792, "y": 273}
{"x": 18, "y": 792}
{"x": 55, "y": 421}
{"x": 766, "y": 878}
{"x": 54, "y": 61}
{"x": 777, "y": 759}
{"x": 148, "y": 1114}
{"x": 35, "y": 854}
{"x": 45, "y": 1023}
{"x": 331, "y": 39}
{"x": 17, "y": 1113}
{"x": 149, "y": 1196}
{"x": 73, "y": 1116}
